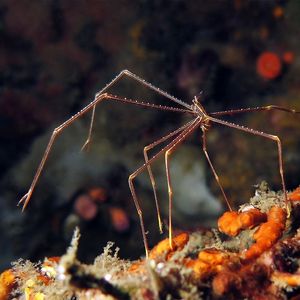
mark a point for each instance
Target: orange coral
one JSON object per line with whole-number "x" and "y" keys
{"x": 227, "y": 223}
{"x": 136, "y": 266}
{"x": 224, "y": 281}
{"x": 268, "y": 233}
{"x": 119, "y": 219}
{"x": 85, "y": 207}
{"x": 295, "y": 195}
{"x": 200, "y": 268}
{"x": 288, "y": 57}
{"x": 246, "y": 282}
{"x": 163, "y": 247}
{"x": 278, "y": 12}
{"x": 268, "y": 65}
{"x": 213, "y": 256}
{"x": 232, "y": 222}
{"x": 209, "y": 262}
{"x": 98, "y": 194}
{"x": 7, "y": 279}
{"x": 251, "y": 218}
{"x": 278, "y": 215}
{"x": 288, "y": 278}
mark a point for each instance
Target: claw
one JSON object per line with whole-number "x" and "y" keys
{"x": 86, "y": 145}
{"x": 22, "y": 199}
{"x": 25, "y": 199}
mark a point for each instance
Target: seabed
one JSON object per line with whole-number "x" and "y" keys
{"x": 254, "y": 254}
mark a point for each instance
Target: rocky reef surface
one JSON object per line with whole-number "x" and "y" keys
{"x": 254, "y": 254}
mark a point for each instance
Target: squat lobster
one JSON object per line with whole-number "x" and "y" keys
{"x": 201, "y": 119}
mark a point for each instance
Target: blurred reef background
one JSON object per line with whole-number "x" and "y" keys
{"x": 55, "y": 55}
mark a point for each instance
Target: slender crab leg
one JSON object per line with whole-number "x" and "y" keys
{"x": 253, "y": 109}
{"x": 98, "y": 98}
{"x": 153, "y": 183}
{"x": 213, "y": 170}
{"x": 180, "y": 137}
{"x": 265, "y": 135}
{"x": 170, "y": 190}
{"x": 141, "y": 81}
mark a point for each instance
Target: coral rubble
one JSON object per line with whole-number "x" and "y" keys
{"x": 259, "y": 259}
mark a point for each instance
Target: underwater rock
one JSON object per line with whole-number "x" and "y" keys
{"x": 198, "y": 265}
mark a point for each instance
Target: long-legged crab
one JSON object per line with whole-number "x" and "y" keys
{"x": 200, "y": 120}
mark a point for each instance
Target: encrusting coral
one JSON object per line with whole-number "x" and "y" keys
{"x": 7, "y": 279}
{"x": 256, "y": 256}
{"x": 232, "y": 222}
{"x": 268, "y": 233}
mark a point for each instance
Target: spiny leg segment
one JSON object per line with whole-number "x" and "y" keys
{"x": 141, "y": 81}
{"x": 177, "y": 142}
{"x": 272, "y": 137}
{"x": 152, "y": 179}
{"x": 213, "y": 169}
{"x": 98, "y": 98}
{"x": 265, "y": 135}
{"x": 183, "y": 135}
{"x": 253, "y": 109}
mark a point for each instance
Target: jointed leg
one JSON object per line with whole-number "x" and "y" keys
{"x": 88, "y": 141}
{"x": 27, "y": 196}
{"x": 181, "y": 136}
{"x": 268, "y": 136}
{"x": 214, "y": 171}
{"x": 25, "y": 199}
{"x": 140, "y": 80}
{"x": 170, "y": 191}
{"x": 253, "y": 109}
{"x": 153, "y": 183}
